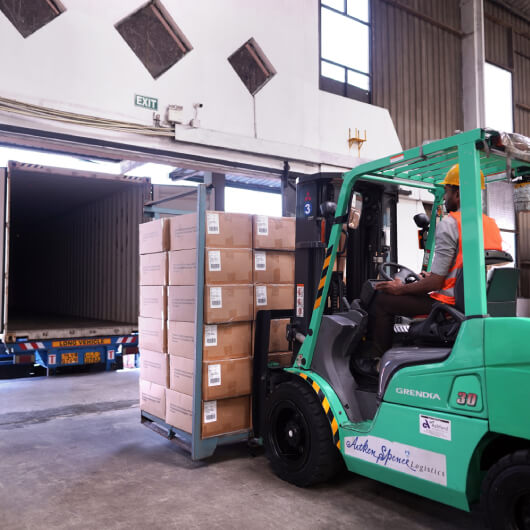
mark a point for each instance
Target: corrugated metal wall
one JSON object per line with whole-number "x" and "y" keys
{"x": 83, "y": 263}
{"x": 523, "y": 226}
{"x": 507, "y": 42}
{"x": 417, "y": 67}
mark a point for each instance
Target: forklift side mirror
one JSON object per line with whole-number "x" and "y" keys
{"x": 356, "y": 209}
{"x": 421, "y": 220}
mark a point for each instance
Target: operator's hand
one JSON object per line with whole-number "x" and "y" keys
{"x": 394, "y": 287}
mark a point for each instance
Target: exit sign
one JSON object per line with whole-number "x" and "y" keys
{"x": 145, "y": 102}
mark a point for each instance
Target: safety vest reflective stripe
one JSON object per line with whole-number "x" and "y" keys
{"x": 492, "y": 241}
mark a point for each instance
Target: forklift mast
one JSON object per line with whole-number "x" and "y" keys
{"x": 361, "y": 250}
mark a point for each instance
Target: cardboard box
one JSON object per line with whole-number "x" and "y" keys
{"x": 181, "y": 372}
{"x": 152, "y": 334}
{"x": 225, "y": 416}
{"x": 273, "y": 296}
{"x": 284, "y": 358}
{"x": 222, "y": 230}
{"x": 277, "y": 339}
{"x": 271, "y": 266}
{"x": 183, "y": 232}
{"x": 153, "y": 269}
{"x": 153, "y": 398}
{"x": 182, "y": 267}
{"x": 220, "y": 341}
{"x": 228, "y": 230}
{"x": 223, "y": 265}
{"x": 220, "y": 266}
{"x": 227, "y": 378}
{"x": 181, "y": 303}
{"x": 274, "y": 233}
{"x": 179, "y": 410}
{"x": 154, "y": 367}
{"x": 181, "y": 339}
{"x": 154, "y": 236}
{"x": 153, "y": 301}
{"x": 227, "y": 341}
{"x": 227, "y": 303}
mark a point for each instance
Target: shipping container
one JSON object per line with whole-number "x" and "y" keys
{"x": 70, "y": 264}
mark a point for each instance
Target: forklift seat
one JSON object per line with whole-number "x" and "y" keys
{"x": 443, "y": 323}
{"x": 397, "y": 358}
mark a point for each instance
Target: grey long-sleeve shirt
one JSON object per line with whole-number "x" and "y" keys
{"x": 445, "y": 246}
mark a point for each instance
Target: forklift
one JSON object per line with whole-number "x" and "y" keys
{"x": 447, "y": 418}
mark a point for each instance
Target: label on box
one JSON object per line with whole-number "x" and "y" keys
{"x": 214, "y": 375}
{"x": 210, "y": 411}
{"x": 214, "y": 260}
{"x": 216, "y": 297}
{"x": 210, "y": 335}
{"x": 260, "y": 261}
{"x": 263, "y": 225}
{"x": 212, "y": 223}
{"x": 261, "y": 295}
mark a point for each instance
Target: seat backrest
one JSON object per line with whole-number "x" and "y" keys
{"x": 502, "y": 292}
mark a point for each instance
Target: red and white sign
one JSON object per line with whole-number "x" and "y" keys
{"x": 52, "y": 358}
{"x": 31, "y": 346}
{"x": 110, "y": 355}
{"x": 127, "y": 340}
{"x": 300, "y": 300}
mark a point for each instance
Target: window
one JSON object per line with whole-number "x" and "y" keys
{"x": 345, "y": 48}
{"x": 154, "y": 37}
{"x": 256, "y": 202}
{"x": 498, "y": 98}
{"x": 252, "y": 66}
{"x": 30, "y": 15}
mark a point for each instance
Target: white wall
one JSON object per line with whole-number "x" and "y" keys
{"x": 409, "y": 253}
{"x": 80, "y": 62}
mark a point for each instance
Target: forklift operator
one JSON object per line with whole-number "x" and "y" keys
{"x": 412, "y": 299}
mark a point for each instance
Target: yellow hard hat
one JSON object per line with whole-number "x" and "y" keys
{"x": 453, "y": 177}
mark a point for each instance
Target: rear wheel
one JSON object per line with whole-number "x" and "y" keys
{"x": 298, "y": 439}
{"x": 505, "y": 495}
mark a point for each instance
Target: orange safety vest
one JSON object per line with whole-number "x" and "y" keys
{"x": 492, "y": 241}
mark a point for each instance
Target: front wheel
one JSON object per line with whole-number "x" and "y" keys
{"x": 505, "y": 495}
{"x": 298, "y": 439}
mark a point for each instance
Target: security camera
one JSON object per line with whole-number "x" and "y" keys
{"x": 197, "y": 105}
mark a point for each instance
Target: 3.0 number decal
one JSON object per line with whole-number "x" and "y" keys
{"x": 467, "y": 399}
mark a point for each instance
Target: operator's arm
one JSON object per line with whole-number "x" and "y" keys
{"x": 445, "y": 250}
{"x": 430, "y": 282}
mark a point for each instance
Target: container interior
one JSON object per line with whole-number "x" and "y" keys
{"x": 73, "y": 250}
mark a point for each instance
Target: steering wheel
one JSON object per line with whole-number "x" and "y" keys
{"x": 402, "y": 272}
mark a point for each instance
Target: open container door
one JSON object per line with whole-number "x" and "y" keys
{"x": 4, "y": 245}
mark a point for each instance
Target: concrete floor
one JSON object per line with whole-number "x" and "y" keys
{"x": 74, "y": 455}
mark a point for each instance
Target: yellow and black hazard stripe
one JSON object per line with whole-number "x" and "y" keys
{"x": 323, "y": 277}
{"x": 327, "y": 409}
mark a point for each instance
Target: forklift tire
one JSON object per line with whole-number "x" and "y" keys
{"x": 505, "y": 495}
{"x": 298, "y": 439}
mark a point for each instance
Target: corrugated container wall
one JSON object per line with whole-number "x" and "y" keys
{"x": 507, "y": 42}
{"x": 417, "y": 67}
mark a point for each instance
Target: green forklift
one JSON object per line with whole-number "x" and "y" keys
{"x": 447, "y": 417}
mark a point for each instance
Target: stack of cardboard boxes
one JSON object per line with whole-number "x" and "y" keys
{"x": 248, "y": 266}
{"x": 154, "y": 373}
{"x": 226, "y": 334}
{"x": 273, "y": 276}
